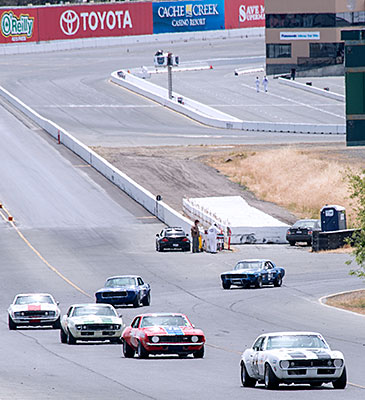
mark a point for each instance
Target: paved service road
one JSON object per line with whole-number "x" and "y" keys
{"x": 73, "y": 89}
{"x": 85, "y": 230}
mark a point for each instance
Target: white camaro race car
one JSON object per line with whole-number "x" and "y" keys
{"x": 91, "y": 322}
{"x": 292, "y": 357}
{"x": 33, "y": 309}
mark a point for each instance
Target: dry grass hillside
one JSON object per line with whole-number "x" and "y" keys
{"x": 300, "y": 179}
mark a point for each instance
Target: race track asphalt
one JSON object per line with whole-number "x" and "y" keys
{"x": 73, "y": 89}
{"x": 74, "y": 229}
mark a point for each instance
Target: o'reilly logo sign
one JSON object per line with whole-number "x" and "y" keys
{"x": 17, "y": 27}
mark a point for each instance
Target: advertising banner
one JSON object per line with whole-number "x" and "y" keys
{"x": 76, "y": 22}
{"x": 183, "y": 16}
{"x": 244, "y": 14}
{"x": 18, "y": 25}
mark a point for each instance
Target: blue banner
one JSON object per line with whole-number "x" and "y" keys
{"x": 183, "y": 16}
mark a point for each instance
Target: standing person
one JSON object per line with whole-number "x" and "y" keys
{"x": 195, "y": 234}
{"x": 212, "y": 238}
{"x": 265, "y": 83}
{"x": 257, "y": 84}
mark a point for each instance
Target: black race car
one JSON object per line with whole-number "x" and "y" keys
{"x": 302, "y": 231}
{"x": 172, "y": 238}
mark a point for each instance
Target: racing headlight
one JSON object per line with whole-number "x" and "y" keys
{"x": 155, "y": 339}
{"x": 194, "y": 339}
{"x": 284, "y": 364}
{"x": 18, "y": 314}
{"x": 78, "y": 327}
{"x": 338, "y": 363}
{"x": 117, "y": 327}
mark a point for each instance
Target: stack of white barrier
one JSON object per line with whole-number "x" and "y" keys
{"x": 247, "y": 224}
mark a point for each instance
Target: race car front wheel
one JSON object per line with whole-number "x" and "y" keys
{"x": 199, "y": 353}
{"x": 70, "y": 338}
{"x": 63, "y": 336}
{"x": 270, "y": 379}
{"x": 246, "y": 380}
{"x": 341, "y": 382}
{"x": 12, "y": 324}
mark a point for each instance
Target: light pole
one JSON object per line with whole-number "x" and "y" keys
{"x": 166, "y": 59}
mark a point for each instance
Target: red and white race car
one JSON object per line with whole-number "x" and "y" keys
{"x": 164, "y": 333}
{"x": 34, "y": 309}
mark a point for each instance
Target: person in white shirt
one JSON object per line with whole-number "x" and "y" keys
{"x": 265, "y": 83}
{"x": 257, "y": 84}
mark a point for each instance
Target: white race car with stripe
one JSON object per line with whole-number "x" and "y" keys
{"x": 33, "y": 309}
{"x": 292, "y": 357}
{"x": 91, "y": 322}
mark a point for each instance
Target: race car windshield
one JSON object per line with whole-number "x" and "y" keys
{"x": 34, "y": 299}
{"x": 295, "y": 341}
{"x": 164, "y": 320}
{"x": 120, "y": 282}
{"x": 104, "y": 311}
{"x": 249, "y": 265}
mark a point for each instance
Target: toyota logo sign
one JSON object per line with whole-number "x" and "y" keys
{"x": 69, "y": 22}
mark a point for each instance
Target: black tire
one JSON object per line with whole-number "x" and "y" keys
{"x": 291, "y": 243}
{"x": 341, "y": 382}
{"x": 258, "y": 283}
{"x": 199, "y": 353}
{"x": 12, "y": 324}
{"x": 57, "y": 324}
{"x": 136, "y": 302}
{"x": 309, "y": 243}
{"x": 146, "y": 301}
{"x": 63, "y": 336}
{"x": 316, "y": 384}
{"x": 70, "y": 338}
{"x": 141, "y": 351}
{"x": 270, "y": 379}
{"x": 226, "y": 285}
{"x": 246, "y": 380}
{"x": 128, "y": 351}
{"x": 278, "y": 281}
{"x": 159, "y": 248}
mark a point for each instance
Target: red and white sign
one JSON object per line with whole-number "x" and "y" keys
{"x": 76, "y": 22}
{"x": 244, "y": 14}
{"x": 18, "y": 25}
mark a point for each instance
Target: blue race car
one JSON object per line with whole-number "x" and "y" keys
{"x": 123, "y": 290}
{"x": 256, "y": 273}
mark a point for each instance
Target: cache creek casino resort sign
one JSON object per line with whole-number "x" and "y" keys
{"x": 185, "y": 16}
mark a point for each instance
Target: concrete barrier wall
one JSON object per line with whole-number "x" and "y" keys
{"x": 210, "y": 116}
{"x": 312, "y": 89}
{"x": 142, "y": 196}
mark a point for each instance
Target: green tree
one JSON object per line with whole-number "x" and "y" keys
{"x": 357, "y": 190}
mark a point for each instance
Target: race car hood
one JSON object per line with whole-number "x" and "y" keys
{"x": 117, "y": 289}
{"x": 96, "y": 319}
{"x": 172, "y": 330}
{"x": 240, "y": 271}
{"x": 33, "y": 307}
{"x": 301, "y": 353}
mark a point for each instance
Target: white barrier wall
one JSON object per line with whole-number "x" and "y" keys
{"x": 162, "y": 211}
{"x": 312, "y": 89}
{"x": 247, "y": 224}
{"x": 210, "y": 116}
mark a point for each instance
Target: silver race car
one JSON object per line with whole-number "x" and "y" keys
{"x": 33, "y": 309}
{"x": 292, "y": 357}
{"x": 91, "y": 322}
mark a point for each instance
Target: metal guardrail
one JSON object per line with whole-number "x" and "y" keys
{"x": 331, "y": 240}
